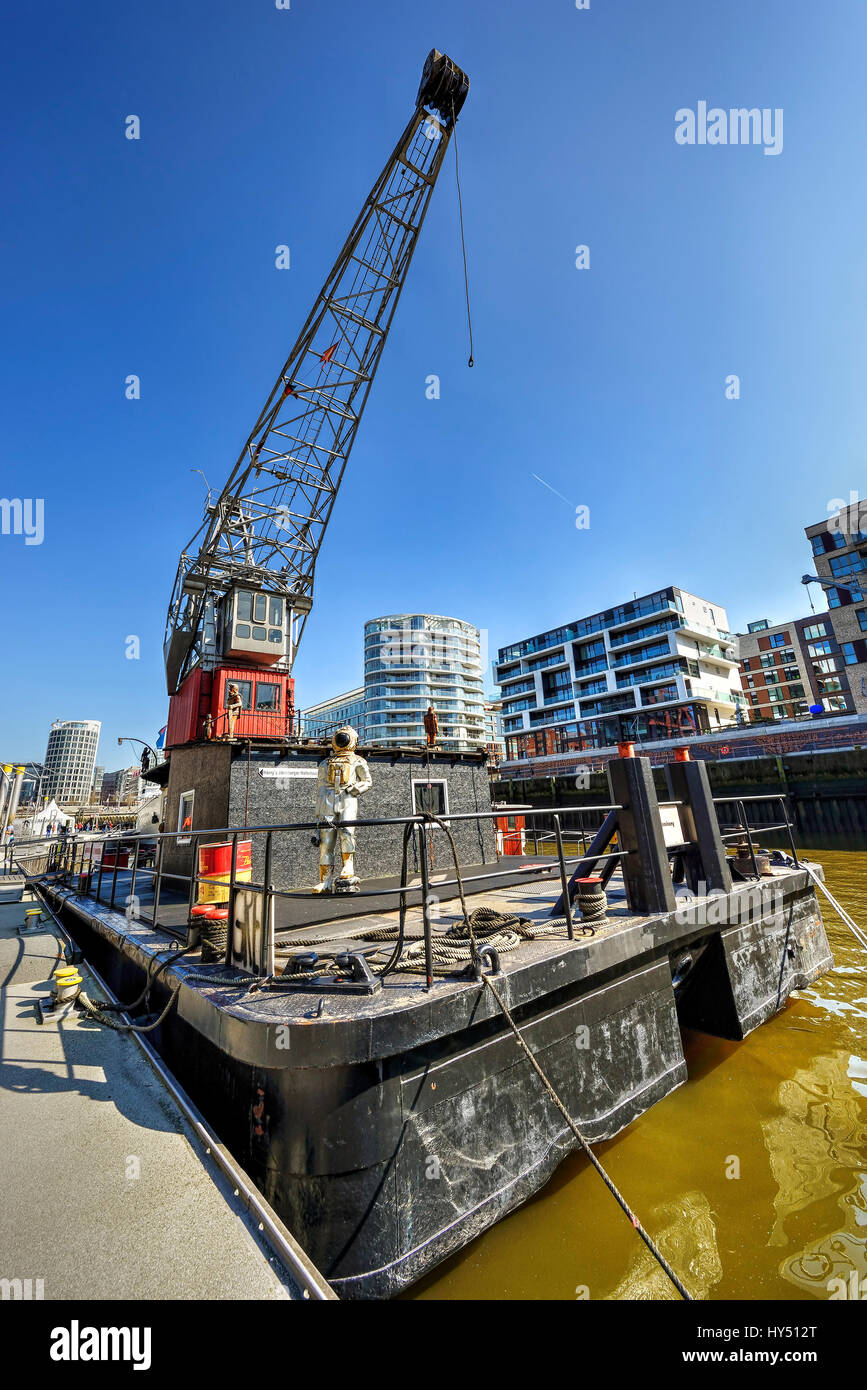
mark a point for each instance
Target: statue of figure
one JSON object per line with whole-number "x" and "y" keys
{"x": 342, "y": 779}
{"x": 431, "y": 726}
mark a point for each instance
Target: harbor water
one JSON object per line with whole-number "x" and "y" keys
{"x": 751, "y": 1177}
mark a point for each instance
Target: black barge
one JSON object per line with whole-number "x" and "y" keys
{"x": 389, "y": 1119}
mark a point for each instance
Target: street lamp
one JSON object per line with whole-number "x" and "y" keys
{"x": 144, "y": 745}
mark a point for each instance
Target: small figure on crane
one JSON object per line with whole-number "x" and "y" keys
{"x": 431, "y": 726}
{"x": 234, "y": 705}
{"x": 342, "y": 778}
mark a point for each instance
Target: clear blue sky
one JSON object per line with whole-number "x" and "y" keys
{"x": 261, "y": 127}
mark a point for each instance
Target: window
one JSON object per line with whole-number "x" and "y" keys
{"x": 244, "y": 607}
{"x": 828, "y": 683}
{"x": 849, "y": 656}
{"x": 828, "y": 663}
{"x": 260, "y": 634}
{"x": 772, "y": 678}
{"x": 861, "y": 615}
{"x": 276, "y": 618}
{"x": 268, "y": 696}
{"x": 185, "y": 814}
{"x": 242, "y": 629}
{"x": 431, "y": 797}
{"x": 819, "y": 648}
{"x": 769, "y": 659}
{"x": 834, "y": 702}
{"x": 779, "y": 639}
{"x": 275, "y": 634}
{"x": 815, "y": 630}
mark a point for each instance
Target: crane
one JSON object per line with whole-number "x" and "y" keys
{"x": 852, "y": 589}
{"x": 244, "y": 584}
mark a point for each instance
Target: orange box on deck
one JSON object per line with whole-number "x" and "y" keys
{"x": 215, "y": 865}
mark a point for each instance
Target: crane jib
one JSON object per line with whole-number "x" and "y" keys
{"x": 266, "y": 527}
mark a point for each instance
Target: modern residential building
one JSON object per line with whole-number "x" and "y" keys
{"x": 661, "y": 666}
{"x": 124, "y": 787}
{"x": 787, "y": 667}
{"x": 493, "y": 729}
{"x": 840, "y": 549}
{"x": 70, "y": 759}
{"x": 322, "y": 719}
{"x": 412, "y": 660}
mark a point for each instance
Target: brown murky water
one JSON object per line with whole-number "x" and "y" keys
{"x": 787, "y": 1107}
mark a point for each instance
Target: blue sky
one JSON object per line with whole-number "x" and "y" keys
{"x": 261, "y": 127}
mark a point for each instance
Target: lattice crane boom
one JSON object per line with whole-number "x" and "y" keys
{"x": 266, "y": 526}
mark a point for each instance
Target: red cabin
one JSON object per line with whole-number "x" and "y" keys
{"x": 267, "y": 705}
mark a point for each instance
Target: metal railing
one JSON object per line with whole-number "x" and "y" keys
{"x": 80, "y": 861}
{"x": 745, "y": 829}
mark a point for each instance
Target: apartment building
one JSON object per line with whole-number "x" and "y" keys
{"x": 839, "y": 546}
{"x": 660, "y": 666}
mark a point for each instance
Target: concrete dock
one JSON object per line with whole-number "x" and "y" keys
{"x": 108, "y": 1192}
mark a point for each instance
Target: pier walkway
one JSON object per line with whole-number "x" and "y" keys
{"x": 108, "y": 1191}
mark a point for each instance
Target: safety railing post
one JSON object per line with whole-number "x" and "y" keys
{"x": 743, "y": 815}
{"x": 131, "y": 895}
{"x": 231, "y": 903}
{"x": 156, "y": 880}
{"x": 194, "y": 875}
{"x": 101, "y": 867}
{"x": 425, "y": 906}
{"x": 784, "y": 807}
{"x": 267, "y": 902}
{"x": 114, "y": 875}
{"x": 564, "y": 881}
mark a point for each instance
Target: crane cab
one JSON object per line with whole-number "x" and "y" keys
{"x": 254, "y": 626}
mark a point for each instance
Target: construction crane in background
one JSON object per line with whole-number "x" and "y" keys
{"x": 244, "y": 585}
{"x": 852, "y": 589}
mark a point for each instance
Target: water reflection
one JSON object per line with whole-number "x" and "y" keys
{"x": 686, "y": 1235}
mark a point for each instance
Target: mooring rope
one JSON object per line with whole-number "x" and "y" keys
{"x": 554, "y": 1097}
{"x": 838, "y": 907}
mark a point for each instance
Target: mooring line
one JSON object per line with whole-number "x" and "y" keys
{"x": 838, "y": 907}
{"x": 531, "y": 1058}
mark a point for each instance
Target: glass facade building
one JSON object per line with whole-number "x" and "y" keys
{"x": 70, "y": 759}
{"x": 412, "y": 660}
{"x": 320, "y": 721}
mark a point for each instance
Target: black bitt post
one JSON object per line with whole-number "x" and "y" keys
{"x": 600, "y": 842}
{"x": 646, "y": 875}
{"x": 706, "y": 860}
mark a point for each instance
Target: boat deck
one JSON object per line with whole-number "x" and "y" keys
{"x": 404, "y": 1012}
